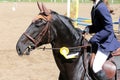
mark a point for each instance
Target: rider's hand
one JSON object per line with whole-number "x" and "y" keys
{"x": 86, "y": 30}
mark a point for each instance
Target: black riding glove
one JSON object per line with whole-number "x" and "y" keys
{"x": 86, "y": 30}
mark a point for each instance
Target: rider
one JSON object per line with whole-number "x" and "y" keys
{"x": 104, "y": 39}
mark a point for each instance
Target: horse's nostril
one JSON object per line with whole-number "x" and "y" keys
{"x": 18, "y": 51}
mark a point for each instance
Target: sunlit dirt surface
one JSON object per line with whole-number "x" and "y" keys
{"x": 40, "y": 65}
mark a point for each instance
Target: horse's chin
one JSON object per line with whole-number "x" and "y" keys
{"x": 24, "y": 50}
{"x": 27, "y": 51}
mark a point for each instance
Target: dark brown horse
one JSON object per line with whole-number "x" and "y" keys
{"x": 58, "y": 30}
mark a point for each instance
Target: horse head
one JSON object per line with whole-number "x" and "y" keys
{"x": 37, "y": 33}
{"x": 44, "y": 29}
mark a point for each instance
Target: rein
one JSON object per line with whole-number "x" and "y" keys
{"x": 70, "y": 48}
{"x": 44, "y": 31}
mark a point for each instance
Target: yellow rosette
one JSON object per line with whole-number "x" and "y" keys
{"x": 65, "y": 52}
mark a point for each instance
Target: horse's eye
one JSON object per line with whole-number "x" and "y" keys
{"x": 40, "y": 22}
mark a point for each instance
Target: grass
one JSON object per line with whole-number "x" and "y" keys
{"x": 85, "y": 1}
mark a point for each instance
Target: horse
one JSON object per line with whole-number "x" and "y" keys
{"x": 59, "y": 31}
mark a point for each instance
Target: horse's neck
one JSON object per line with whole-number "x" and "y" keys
{"x": 67, "y": 35}
{"x": 66, "y": 38}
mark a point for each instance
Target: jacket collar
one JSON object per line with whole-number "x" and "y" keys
{"x": 96, "y": 3}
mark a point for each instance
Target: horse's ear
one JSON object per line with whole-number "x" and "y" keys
{"x": 40, "y": 7}
{"x": 47, "y": 11}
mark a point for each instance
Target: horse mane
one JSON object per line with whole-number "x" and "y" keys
{"x": 68, "y": 23}
{"x": 64, "y": 19}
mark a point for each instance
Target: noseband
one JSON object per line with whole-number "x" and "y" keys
{"x": 43, "y": 32}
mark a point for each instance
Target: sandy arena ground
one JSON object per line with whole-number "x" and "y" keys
{"x": 40, "y": 64}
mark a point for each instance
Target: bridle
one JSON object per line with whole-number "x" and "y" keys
{"x": 44, "y": 31}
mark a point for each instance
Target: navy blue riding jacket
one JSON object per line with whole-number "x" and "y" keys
{"x": 103, "y": 28}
